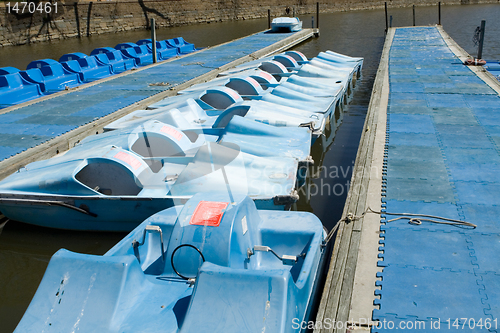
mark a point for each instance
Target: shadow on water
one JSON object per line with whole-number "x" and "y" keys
{"x": 26, "y": 250}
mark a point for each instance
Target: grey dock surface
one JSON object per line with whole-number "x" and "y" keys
{"x": 44, "y": 127}
{"x": 430, "y": 145}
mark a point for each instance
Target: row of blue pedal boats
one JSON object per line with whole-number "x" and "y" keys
{"x": 47, "y": 76}
{"x": 205, "y": 181}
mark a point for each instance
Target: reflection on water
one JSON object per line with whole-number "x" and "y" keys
{"x": 25, "y": 250}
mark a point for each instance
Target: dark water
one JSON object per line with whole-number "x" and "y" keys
{"x": 201, "y": 35}
{"x": 26, "y": 250}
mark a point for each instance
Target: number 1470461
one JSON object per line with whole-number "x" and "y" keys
{"x": 24, "y": 7}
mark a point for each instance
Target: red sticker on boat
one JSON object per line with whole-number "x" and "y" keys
{"x": 254, "y": 83}
{"x": 208, "y": 213}
{"x": 267, "y": 76}
{"x": 172, "y": 132}
{"x": 129, "y": 159}
{"x": 233, "y": 94}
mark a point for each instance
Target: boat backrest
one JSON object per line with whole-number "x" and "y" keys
{"x": 103, "y": 58}
{"x": 286, "y": 61}
{"x": 220, "y": 97}
{"x": 73, "y": 66}
{"x": 49, "y": 67}
{"x": 108, "y": 177}
{"x": 8, "y": 70}
{"x": 34, "y": 75}
{"x": 226, "y": 116}
{"x": 180, "y": 41}
{"x": 10, "y": 82}
{"x": 245, "y": 86}
{"x": 298, "y": 56}
{"x": 115, "y": 55}
{"x": 174, "y": 42}
{"x": 88, "y": 62}
{"x": 156, "y": 139}
{"x": 115, "y": 171}
{"x": 142, "y": 50}
{"x": 332, "y": 68}
{"x": 221, "y": 230}
{"x": 241, "y": 126}
{"x": 123, "y": 46}
{"x": 273, "y": 67}
{"x": 309, "y": 70}
{"x": 265, "y": 79}
{"x": 163, "y": 44}
{"x": 100, "y": 50}
{"x": 144, "y": 41}
{"x": 130, "y": 52}
{"x": 148, "y": 42}
{"x": 72, "y": 56}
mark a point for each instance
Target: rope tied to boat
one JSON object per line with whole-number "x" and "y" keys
{"x": 414, "y": 219}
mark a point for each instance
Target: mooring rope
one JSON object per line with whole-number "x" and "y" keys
{"x": 415, "y": 219}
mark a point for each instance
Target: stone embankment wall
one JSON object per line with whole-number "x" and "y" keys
{"x": 79, "y": 18}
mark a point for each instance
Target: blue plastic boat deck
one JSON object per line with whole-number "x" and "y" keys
{"x": 441, "y": 158}
{"x": 34, "y": 124}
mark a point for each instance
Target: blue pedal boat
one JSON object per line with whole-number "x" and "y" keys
{"x": 157, "y": 142}
{"x": 50, "y": 75}
{"x": 216, "y": 98}
{"x": 213, "y": 265}
{"x": 14, "y": 89}
{"x": 87, "y": 67}
{"x": 246, "y": 86}
{"x": 286, "y": 61}
{"x": 182, "y": 46}
{"x": 154, "y": 139}
{"x": 114, "y": 58}
{"x": 189, "y": 115}
{"x": 137, "y": 52}
{"x": 327, "y": 65}
{"x": 296, "y": 90}
{"x": 108, "y": 188}
{"x": 163, "y": 50}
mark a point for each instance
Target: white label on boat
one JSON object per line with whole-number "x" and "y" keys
{"x": 244, "y": 225}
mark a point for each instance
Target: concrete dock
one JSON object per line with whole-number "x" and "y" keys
{"x": 430, "y": 145}
{"x": 44, "y": 127}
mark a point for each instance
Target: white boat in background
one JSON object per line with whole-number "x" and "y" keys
{"x": 286, "y": 24}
